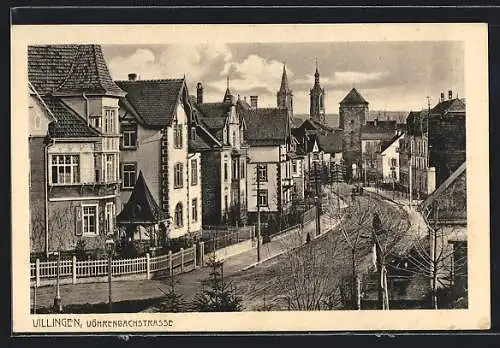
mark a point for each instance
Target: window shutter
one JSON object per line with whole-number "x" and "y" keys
{"x": 78, "y": 221}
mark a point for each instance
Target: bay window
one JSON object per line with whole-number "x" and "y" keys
{"x": 65, "y": 169}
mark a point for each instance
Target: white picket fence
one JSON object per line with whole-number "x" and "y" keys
{"x": 74, "y": 269}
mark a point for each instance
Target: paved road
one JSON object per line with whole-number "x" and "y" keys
{"x": 187, "y": 284}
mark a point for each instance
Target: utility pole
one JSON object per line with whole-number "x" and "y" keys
{"x": 410, "y": 164}
{"x": 258, "y": 213}
{"x": 318, "y": 219}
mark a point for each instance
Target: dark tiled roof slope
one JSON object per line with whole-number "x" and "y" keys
{"x": 141, "y": 206}
{"x": 69, "y": 70}
{"x": 332, "y": 142}
{"x": 154, "y": 100}
{"x": 450, "y": 105}
{"x": 386, "y": 143}
{"x": 266, "y": 126}
{"x": 380, "y": 127}
{"x": 353, "y": 98}
{"x": 69, "y": 124}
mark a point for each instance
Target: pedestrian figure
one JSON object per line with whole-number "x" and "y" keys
{"x": 308, "y": 238}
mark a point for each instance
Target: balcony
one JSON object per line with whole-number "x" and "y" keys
{"x": 77, "y": 190}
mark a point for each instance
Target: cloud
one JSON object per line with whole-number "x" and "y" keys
{"x": 171, "y": 61}
{"x": 252, "y": 74}
{"x": 345, "y": 78}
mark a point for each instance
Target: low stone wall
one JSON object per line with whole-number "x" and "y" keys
{"x": 235, "y": 249}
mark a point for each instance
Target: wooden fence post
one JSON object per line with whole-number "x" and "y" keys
{"x": 182, "y": 260}
{"x": 37, "y": 272}
{"x": 73, "y": 272}
{"x": 148, "y": 266}
{"x": 194, "y": 255}
{"x": 170, "y": 268}
{"x": 202, "y": 254}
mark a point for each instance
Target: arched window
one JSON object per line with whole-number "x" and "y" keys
{"x": 178, "y": 215}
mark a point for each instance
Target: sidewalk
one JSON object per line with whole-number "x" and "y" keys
{"x": 188, "y": 284}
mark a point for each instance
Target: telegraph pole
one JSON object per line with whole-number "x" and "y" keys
{"x": 410, "y": 170}
{"x": 316, "y": 178}
{"x": 258, "y": 213}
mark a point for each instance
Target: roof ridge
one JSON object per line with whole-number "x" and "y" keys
{"x": 151, "y": 80}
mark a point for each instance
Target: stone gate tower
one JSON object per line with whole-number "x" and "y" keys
{"x": 353, "y": 112}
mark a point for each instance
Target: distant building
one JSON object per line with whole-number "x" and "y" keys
{"x": 156, "y": 120}
{"x": 373, "y": 135}
{"x": 221, "y": 141}
{"x": 270, "y": 163}
{"x": 434, "y": 144}
{"x": 285, "y": 95}
{"x": 353, "y": 112}
{"x": 317, "y": 100}
{"x": 74, "y": 148}
{"x": 388, "y": 160}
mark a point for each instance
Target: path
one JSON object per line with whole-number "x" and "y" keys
{"x": 188, "y": 283}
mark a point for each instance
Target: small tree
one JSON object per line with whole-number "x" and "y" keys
{"x": 173, "y": 302}
{"x": 218, "y": 295}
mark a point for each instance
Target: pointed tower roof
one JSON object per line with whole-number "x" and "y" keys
{"x": 141, "y": 207}
{"x": 316, "y": 73}
{"x": 353, "y": 98}
{"x": 284, "y": 80}
{"x": 228, "y": 96}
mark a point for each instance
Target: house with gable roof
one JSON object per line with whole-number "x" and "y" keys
{"x": 74, "y": 148}
{"x": 224, "y": 156}
{"x": 157, "y": 123}
{"x": 270, "y": 153}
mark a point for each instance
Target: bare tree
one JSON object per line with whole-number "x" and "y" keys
{"x": 354, "y": 225}
{"x": 432, "y": 256}
{"x": 390, "y": 225}
{"x": 307, "y": 277}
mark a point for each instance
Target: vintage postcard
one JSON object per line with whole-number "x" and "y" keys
{"x": 217, "y": 178}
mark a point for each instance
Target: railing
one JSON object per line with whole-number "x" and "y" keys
{"x": 224, "y": 238}
{"x": 99, "y": 268}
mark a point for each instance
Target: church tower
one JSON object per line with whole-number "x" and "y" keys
{"x": 353, "y": 112}
{"x": 317, "y": 102}
{"x": 284, "y": 95}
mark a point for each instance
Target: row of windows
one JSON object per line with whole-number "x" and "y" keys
{"x": 65, "y": 169}
{"x": 129, "y": 175}
{"x": 110, "y": 123}
{"x": 179, "y": 213}
{"x": 129, "y": 136}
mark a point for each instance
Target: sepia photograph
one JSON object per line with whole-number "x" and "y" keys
{"x": 258, "y": 170}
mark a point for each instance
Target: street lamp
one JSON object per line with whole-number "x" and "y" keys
{"x": 57, "y": 298}
{"x": 110, "y": 249}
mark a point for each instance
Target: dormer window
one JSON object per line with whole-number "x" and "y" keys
{"x": 95, "y": 121}
{"x": 193, "y": 133}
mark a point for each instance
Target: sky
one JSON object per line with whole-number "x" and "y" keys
{"x": 394, "y": 76}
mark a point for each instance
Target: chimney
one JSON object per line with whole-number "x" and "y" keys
{"x": 132, "y": 77}
{"x": 450, "y": 94}
{"x": 253, "y": 101}
{"x": 442, "y": 96}
{"x": 199, "y": 93}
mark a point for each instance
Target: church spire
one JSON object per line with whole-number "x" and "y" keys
{"x": 228, "y": 96}
{"x": 316, "y": 74}
{"x": 284, "y": 80}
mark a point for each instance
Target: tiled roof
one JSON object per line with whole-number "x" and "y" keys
{"x": 386, "y": 143}
{"x": 69, "y": 124}
{"x": 69, "y": 70}
{"x": 449, "y": 105}
{"x": 379, "y": 127}
{"x": 213, "y": 110}
{"x": 141, "y": 206}
{"x": 203, "y": 141}
{"x": 266, "y": 126}
{"x": 444, "y": 186}
{"x": 353, "y": 98}
{"x": 331, "y": 142}
{"x": 154, "y": 100}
